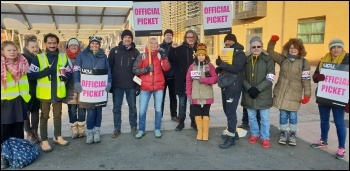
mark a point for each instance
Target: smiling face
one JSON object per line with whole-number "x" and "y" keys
{"x": 190, "y": 39}
{"x": 293, "y": 50}
{"x": 336, "y": 51}
{"x": 51, "y": 44}
{"x": 73, "y": 48}
{"x": 168, "y": 38}
{"x": 127, "y": 40}
{"x": 94, "y": 46}
{"x": 33, "y": 47}
{"x": 10, "y": 52}
{"x": 201, "y": 57}
{"x": 153, "y": 44}
{"x": 256, "y": 48}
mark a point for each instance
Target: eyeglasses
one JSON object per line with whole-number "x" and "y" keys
{"x": 256, "y": 47}
{"x": 189, "y": 37}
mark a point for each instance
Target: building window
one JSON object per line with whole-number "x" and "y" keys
{"x": 246, "y": 6}
{"x": 311, "y": 30}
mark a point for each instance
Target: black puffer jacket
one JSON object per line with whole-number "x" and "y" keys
{"x": 231, "y": 77}
{"x": 171, "y": 73}
{"x": 182, "y": 57}
{"x": 122, "y": 61}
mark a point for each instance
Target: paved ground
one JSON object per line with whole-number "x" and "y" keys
{"x": 180, "y": 150}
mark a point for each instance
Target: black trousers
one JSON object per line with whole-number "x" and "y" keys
{"x": 12, "y": 130}
{"x": 170, "y": 83}
{"x": 229, "y": 103}
{"x": 200, "y": 110}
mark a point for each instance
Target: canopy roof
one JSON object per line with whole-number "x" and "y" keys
{"x": 64, "y": 20}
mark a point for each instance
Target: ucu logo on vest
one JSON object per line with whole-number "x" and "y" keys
{"x": 86, "y": 71}
{"x": 329, "y": 66}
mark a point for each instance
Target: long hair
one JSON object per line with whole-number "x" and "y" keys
{"x": 297, "y": 44}
{"x": 196, "y": 41}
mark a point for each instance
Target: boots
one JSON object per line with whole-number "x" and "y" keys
{"x": 30, "y": 137}
{"x": 97, "y": 137}
{"x": 229, "y": 141}
{"x": 81, "y": 129}
{"x": 199, "y": 121}
{"x": 36, "y": 135}
{"x": 45, "y": 146}
{"x": 292, "y": 138}
{"x": 60, "y": 141}
{"x": 90, "y": 137}
{"x": 283, "y": 137}
{"x": 74, "y": 129}
{"x": 181, "y": 125}
{"x": 206, "y": 121}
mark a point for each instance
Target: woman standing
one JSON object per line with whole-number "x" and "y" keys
{"x": 92, "y": 57}
{"x": 293, "y": 86}
{"x": 31, "y": 125}
{"x": 258, "y": 79}
{"x": 336, "y": 55}
{"x": 150, "y": 72}
{"x": 76, "y": 114}
{"x": 14, "y": 93}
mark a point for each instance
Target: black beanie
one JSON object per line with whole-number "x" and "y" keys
{"x": 127, "y": 33}
{"x": 230, "y": 37}
{"x": 168, "y": 31}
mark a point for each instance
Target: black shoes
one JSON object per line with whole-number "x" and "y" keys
{"x": 180, "y": 126}
{"x": 229, "y": 141}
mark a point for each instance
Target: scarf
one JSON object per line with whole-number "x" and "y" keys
{"x": 18, "y": 69}
{"x": 292, "y": 57}
{"x": 72, "y": 55}
{"x": 328, "y": 58}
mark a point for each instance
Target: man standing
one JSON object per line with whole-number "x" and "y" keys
{"x": 51, "y": 70}
{"x": 231, "y": 83}
{"x": 122, "y": 58}
{"x": 169, "y": 77}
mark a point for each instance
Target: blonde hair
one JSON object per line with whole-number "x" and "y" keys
{"x": 150, "y": 39}
{"x": 29, "y": 38}
{"x": 6, "y": 43}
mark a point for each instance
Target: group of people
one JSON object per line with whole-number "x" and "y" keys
{"x": 34, "y": 80}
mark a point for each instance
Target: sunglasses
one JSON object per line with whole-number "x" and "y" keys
{"x": 254, "y": 47}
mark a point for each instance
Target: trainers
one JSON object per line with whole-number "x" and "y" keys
{"x": 253, "y": 139}
{"x": 265, "y": 143}
{"x": 176, "y": 119}
{"x": 319, "y": 144}
{"x": 157, "y": 133}
{"x": 116, "y": 133}
{"x": 291, "y": 139}
{"x": 340, "y": 153}
{"x": 283, "y": 138}
{"x": 133, "y": 131}
{"x": 180, "y": 126}
{"x": 139, "y": 134}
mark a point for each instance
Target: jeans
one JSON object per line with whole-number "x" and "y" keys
{"x": 93, "y": 118}
{"x": 229, "y": 103}
{"x": 338, "y": 117}
{"x": 75, "y": 115}
{"x": 292, "y": 116}
{"x": 118, "y": 95}
{"x": 264, "y": 121}
{"x": 172, "y": 96}
{"x": 157, "y": 100}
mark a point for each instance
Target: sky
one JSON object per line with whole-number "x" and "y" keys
{"x": 88, "y": 3}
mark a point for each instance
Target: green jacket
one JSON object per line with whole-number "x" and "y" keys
{"x": 257, "y": 76}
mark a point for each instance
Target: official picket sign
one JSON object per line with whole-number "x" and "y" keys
{"x": 147, "y": 18}
{"x": 334, "y": 90}
{"x": 217, "y": 17}
{"x": 94, "y": 82}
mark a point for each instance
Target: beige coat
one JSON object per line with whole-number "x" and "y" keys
{"x": 291, "y": 87}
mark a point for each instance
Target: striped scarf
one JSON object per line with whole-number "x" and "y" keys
{"x": 19, "y": 68}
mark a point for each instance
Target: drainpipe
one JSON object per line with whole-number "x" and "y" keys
{"x": 283, "y": 13}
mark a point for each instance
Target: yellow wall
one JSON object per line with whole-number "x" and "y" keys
{"x": 336, "y": 24}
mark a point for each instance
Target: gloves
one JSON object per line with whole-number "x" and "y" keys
{"x": 253, "y": 92}
{"x": 218, "y": 61}
{"x": 63, "y": 78}
{"x": 108, "y": 87}
{"x": 218, "y": 70}
{"x": 162, "y": 53}
{"x": 78, "y": 87}
{"x": 149, "y": 68}
{"x": 347, "y": 108}
{"x": 137, "y": 92}
{"x": 274, "y": 38}
{"x": 319, "y": 77}
{"x": 305, "y": 100}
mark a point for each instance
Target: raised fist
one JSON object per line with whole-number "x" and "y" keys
{"x": 174, "y": 45}
{"x": 274, "y": 38}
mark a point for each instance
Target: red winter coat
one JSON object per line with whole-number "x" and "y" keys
{"x": 155, "y": 81}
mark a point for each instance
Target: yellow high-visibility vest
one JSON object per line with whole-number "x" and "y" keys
{"x": 43, "y": 87}
{"x": 14, "y": 90}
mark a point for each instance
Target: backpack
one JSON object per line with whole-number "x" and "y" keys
{"x": 19, "y": 152}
